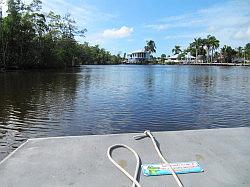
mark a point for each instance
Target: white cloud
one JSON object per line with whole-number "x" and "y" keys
{"x": 187, "y": 20}
{"x": 185, "y": 36}
{"x": 106, "y": 37}
{"x": 95, "y": 38}
{"x": 243, "y": 34}
{"x": 85, "y": 14}
{"x": 159, "y": 27}
{"x": 228, "y": 21}
{"x": 118, "y": 32}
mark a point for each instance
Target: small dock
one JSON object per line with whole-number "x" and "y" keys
{"x": 81, "y": 160}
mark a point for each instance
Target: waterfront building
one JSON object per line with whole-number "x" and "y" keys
{"x": 177, "y": 59}
{"x": 173, "y": 58}
{"x": 138, "y": 56}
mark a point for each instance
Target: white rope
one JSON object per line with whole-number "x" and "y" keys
{"x": 163, "y": 159}
{"x": 134, "y": 179}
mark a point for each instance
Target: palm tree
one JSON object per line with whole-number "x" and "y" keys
{"x": 223, "y": 51}
{"x": 176, "y": 50}
{"x": 240, "y": 51}
{"x": 196, "y": 45}
{"x": 150, "y": 47}
{"x": 247, "y": 51}
{"x": 183, "y": 54}
{"x": 216, "y": 55}
{"x": 214, "y": 43}
{"x": 208, "y": 44}
{"x": 228, "y": 53}
{"x": 202, "y": 50}
{"x": 204, "y": 46}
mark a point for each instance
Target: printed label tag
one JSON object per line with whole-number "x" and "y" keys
{"x": 178, "y": 167}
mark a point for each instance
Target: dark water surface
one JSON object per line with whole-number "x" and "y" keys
{"x": 119, "y": 99}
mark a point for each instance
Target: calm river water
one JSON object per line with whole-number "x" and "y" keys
{"x": 119, "y": 99}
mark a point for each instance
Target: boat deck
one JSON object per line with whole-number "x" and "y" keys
{"x": 81, "y": 161}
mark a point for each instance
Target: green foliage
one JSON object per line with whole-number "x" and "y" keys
{"x": 203, "y": 47}
{"x": 247, "y": 51}
{"x": 32, "y": 39}
{"x": 163, "y": 57}
{"x": 228, "y": 53}
{"x": 96, "y": 55}
{"x": 182, "y": 54}
{"x": 150, "y": 47}
{"x": 243, "y": 52}
{"x": 176, "y": 50}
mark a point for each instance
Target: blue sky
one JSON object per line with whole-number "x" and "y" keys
{"x": 125, "y": 25}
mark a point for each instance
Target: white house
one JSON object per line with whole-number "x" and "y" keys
{"x": 186, "y": 58}
{"x": 138, "y": 56}
{"x": 173, "y": 58}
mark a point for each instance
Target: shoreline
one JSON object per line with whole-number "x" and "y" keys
{"x": 216, "y": 64}
{"x": 195, "y": 64}
{"x": 5, "y": 70}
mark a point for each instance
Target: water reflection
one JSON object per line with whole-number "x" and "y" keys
{"x": 149, "y": 77}
{"x": 32, "y": 105}
{"x": 118, "y": 99}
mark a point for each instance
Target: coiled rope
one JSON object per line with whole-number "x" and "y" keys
{"x": 147, "y": 133}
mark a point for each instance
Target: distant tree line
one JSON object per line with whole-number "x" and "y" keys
{"x": 32, "y": 39}
{"x": 206, "y": 50}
